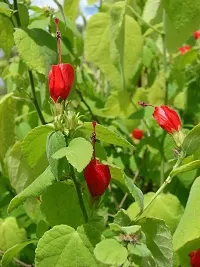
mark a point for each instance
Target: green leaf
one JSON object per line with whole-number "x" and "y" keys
{"x": 135, "y": 192}
{"x": 7, "y": 124}
{"x": 187, "y": 235}
{"x": 91, "y": 2}
{"x": 55, "y": 141}
{"x": 60, "y": 205}
{"x": 42, "y": 227}
{"x": 71, "y": 9}
{"x": 13, "y": 251}
{"x": 185, "y": 168}
{"x": 10, "y": 233}
{"x": 117, "y": 29}
{"x": 156, "y": 91}
{"x": 140, "y": 250}
{"x": 166, "y": 207}
{"x": 117, "y": 175}
{"x": 34, "y": 144}
{"x": 70, "y": 248}
{"x": 105, "y": 135}
{"x": 152, "y": 11}
{"x": 20, "y": 173}
{"x": 109, "y": 251}
{"x": 158, "y": 241}
{"x": 5, "y": 9}
{"x": 37, "y": 44}
{"x": 23, "y": 14}
{"x": 181, "y": 24}
{"x": 192, "y": 141}
{"x": 98, "y": 41}
{"x": 78, "y": 153}
{"x": 33, "y": 190}
{"x": 6, "y": 34}
{"x": 122, "y": 218}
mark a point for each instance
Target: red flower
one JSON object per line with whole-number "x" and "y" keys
{"x": 197, "y": 34}
{"x": 195, "y": 258}
{"x": 167, "y": 118}
{"x": 61, "y": 78}
{"x": 184, "y": 49}
{"x": 97, "y": 177}
{"x": 137, "y": 134}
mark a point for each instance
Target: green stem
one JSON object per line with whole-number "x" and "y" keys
{"x": 34, "y": 99}
{"x": 165, "y": 56}
{"x": 166, "y": 182}
{"x": 15, "y": 6}
{"x": 79, "y": 193}
{"x": 148, "y": 24}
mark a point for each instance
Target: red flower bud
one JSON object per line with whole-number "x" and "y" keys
{"x": 61, "y": 78}
{"x": 137, "y": 134}
{"x": 97, "y": 177}
{"x": 167, "y": 118}
{"x": 184, "y": 49}
{"x": 195, "y": 258}
{"x": 197, "y": 34}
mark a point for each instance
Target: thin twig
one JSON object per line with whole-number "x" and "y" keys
{"x": 165, "y": 56}
{"x": 79, "y": 193}
{"x": 166, "y": 182}
{"x": 18, "y": 262}
{"x": 86, "y": 104}
{"x": 34, "y": 98}
{"x": 134, "y": 178}
{"x": 15, "y": 6}
{"x": 148, "y": 24}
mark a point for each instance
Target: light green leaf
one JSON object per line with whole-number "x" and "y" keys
{"x": 13, "y": 251}
{"x": 105, "y": 135}
{"x": 7, "y": 125}
{"x": 70, "y": 248}
{"x": 180, "y": 25}
{"x": 34, "y": 144}
{"x": 37, "y": 44}
{"x": 109, "y": 251}
{"x": 6, "y": 34}
{"x": 185, "y": 168}
{"x": 118, "y": 104}
{"x": 91, "y": 2}
{"x": 192, "y": 141}
{"x": 136, "y": 193}
{"x": 33, "y": 190}
{"x": 78, "y": 153}
{"x": 140, "y": 250}
{"x": 158, "y": 241}
{"x": 166, "y": 207}
{"x": 187, "y": 235}
{"x": 152, "y": 12}
{"x": 10, "y": 233}
{"x": 98, "y": 42}
{"x": 4, "y": 9}
{"x": 55, "y": 141}
{"x": 117, "y": 29}
{"x": 156, "y": 91}
{"x": 60, "y": 205}
{"x": 71, "y": 9}
{"x": 19, "y": 171}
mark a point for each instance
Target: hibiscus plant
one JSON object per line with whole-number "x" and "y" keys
{"x": 99, "y": 133}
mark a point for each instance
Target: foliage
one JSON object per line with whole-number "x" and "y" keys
{"x": 127, "y": 52}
